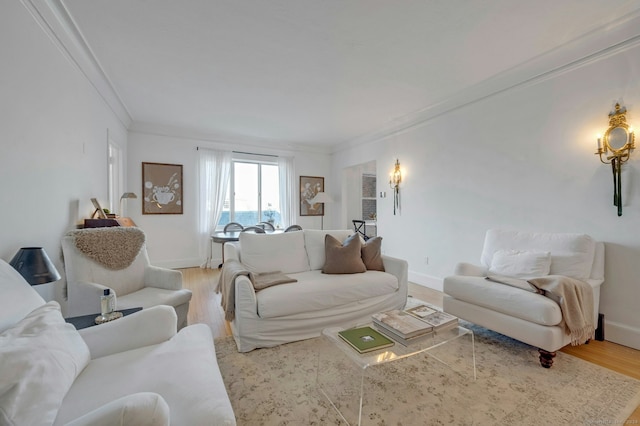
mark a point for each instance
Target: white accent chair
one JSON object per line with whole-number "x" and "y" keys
{"x": 526, "y": 316}
{"x": 138, "y": 285}
{"x": 136, "y": 370}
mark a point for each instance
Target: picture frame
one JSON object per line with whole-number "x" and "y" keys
{"x": 309, "y": 188}
{"x": 162, "y": 188}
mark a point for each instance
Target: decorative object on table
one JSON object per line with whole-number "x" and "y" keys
{"x": 161, "y": 188}
{"x": 126, "y": 196}
{"x": 616, "y": 145}
{"x": 321, "y": 198}
{"x": 310, "y": 186}
{"x": 395, "y": 178}
{"x": 98, "y": 209}
{"x": 365, "y": 339}
{"x": 107, "y": 305}
{"x": 35, "y": 266}
{"x": 101, "y": 319}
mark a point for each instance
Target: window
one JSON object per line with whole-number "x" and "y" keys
{"x": 114, "y": 175}
{"x": 253, "y": 195}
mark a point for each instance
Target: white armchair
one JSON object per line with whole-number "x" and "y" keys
{"x": 523, "y": 315}
{"x": 95, "y": 259}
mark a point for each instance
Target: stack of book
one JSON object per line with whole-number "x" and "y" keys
{"x": 413, "y": 324}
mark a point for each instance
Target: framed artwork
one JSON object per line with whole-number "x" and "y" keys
{"x": 309, "y": 187}
{"x": 161, "y": 188}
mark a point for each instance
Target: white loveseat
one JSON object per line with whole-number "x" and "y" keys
{"x": 524, "y": 315}
{"x": 135, "y": 370}
{"x": 301, "y": 310}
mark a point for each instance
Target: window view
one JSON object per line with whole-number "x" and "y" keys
{"x": 253, "y": 195}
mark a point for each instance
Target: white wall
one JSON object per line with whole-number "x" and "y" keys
{"x": 172, "y": 240}
{"x": 54, "y": 141}
{"x": 522, "y": 158}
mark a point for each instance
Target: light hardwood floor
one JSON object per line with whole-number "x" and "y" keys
{"x": 205, "y": 308}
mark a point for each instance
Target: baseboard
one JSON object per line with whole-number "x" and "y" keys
{"x": 181, "y": 263}
{"x": 424, "y": 280}
{"x": 622, "y": 334}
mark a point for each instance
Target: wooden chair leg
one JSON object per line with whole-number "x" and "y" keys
{"x": 546, "y": 358}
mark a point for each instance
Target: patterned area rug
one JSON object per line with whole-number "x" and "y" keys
{"x": 277, "y": 386}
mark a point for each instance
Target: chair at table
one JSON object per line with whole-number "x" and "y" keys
{"x": 266, "y": 226}
{"x": 233, "y": 226}
{"x": 293, "y": 228}
{"x": 115, "y": 258}
{"x": 255, "y": 229}
{"x": 360, "y": 227}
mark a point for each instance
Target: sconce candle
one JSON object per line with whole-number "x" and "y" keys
{"x": 395, "y": 178}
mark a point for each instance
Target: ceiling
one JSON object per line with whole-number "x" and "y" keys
{"x": 314, "y": 72}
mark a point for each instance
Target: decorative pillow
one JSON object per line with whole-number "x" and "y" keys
{"x": 520, "y": 263}
{"x": 40, "y": 358}
{"x": 342, "y": 258}
{"x": 274, "y": 252}
{"x": 372, "y": 254}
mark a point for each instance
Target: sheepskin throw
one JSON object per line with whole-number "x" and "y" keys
{"x": 113, "y": 247}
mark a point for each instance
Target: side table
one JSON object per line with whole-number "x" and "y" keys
{"x": 84, "y": 321}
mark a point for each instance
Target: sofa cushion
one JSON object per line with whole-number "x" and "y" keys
{"x": 40, "y": 357}
{"x": 502, "y": 298}
{"x": 284, "y": 252}
{"x": 343, "y": 258}
{"x": 14, "y": 287}
{"x": 316, "y": 291}
{"x": 520, "y": 263}
{"x": 571, "y": 254}
{"x": 371, "y": 252}
{"x": 314, "y": 243}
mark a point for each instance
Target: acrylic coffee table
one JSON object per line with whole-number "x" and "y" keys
{"x": 346, "y": 389}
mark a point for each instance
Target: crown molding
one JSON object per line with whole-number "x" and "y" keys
{"x": 52, "y": 16}
{"x": 231, "y": 141}
{"x": 601, "y": 43}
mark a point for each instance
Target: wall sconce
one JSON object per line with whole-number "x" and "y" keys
{"x": 395, "y": 178}
{"x": 616, "y": 145}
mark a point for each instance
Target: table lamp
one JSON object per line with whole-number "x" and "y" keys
{"x": 35, "y": 266}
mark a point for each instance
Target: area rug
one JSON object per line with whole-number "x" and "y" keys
{"x": 277, "y": 386}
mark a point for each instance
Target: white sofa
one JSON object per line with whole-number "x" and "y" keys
{"x": 523, "y": 315}
{"x": 138, "y": 285}
{"x": 301, "y": 310}
{"x": 135, "y": 370}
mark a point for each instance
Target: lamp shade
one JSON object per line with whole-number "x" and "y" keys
{"x": 35, "y": 266}
{"x": 128, "y": 195}
{"x": 321, "y": 197}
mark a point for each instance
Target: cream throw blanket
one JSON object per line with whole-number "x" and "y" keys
{"x": 113, "y": 247}
{"x": 576, "y": 304}
{"x": 231, "y": 269}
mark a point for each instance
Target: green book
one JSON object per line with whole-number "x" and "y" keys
{"x": 365, "y": 339}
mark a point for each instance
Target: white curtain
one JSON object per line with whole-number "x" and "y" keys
{"x": 214, "y": 171}
{"x": 288, "y": 194}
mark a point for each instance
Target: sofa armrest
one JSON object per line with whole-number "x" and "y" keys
{"x": 84, "y": 297}
{"x": 400, "y": 269}
{"x": 146, "y": 327}
{"x": 232, "y": 250}
{"x": 470, "y": 269}
{"x": 138, "y": 409}
{"x": 167, "y": 279}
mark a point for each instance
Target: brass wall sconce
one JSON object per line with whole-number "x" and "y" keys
{"x": 395, "y": 178}
{"x": 616, "y": 146}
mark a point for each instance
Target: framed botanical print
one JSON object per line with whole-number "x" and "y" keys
{"x": 161, "y": 188}
{"x": 309, "y": 188}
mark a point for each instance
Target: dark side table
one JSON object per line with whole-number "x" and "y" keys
{"x": 85, "y": 321}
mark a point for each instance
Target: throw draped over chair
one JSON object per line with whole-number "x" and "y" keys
{"x": 96, "y": 259}
{"x": 293, "y": 228}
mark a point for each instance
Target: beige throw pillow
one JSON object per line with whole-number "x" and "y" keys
{"x": 372, "y": 254}
{"x": 342, "y": 258}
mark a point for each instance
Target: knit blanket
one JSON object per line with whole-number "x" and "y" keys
{"x": 113, "y": 247}
{"x": 576, "y": 303}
